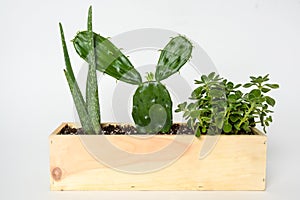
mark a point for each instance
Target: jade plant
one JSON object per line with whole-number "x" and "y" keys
{"x": 219, "y": 105}
{"x": 152, "y": 104}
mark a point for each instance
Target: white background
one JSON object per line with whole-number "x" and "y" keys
{"x": 251, "y": 37}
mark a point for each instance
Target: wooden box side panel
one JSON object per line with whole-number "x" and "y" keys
{"x": 236, "y": 163}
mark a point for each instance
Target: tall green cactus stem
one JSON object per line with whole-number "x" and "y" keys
{"x": 74, "y": 88}
{"x": 175, "y": 54}
{"x": 92, "y": 100}
{"x": 109, "y": 59}
{"x": 152, "y": 108}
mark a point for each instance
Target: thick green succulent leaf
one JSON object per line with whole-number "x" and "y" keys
{"x": 66, "y": 54}
{"x": 75, "y": 91}
{"x": 84, "y": 117}
{"x": 109, "y": 59}
{"x": 270, "y": 101}
{"x": 152, "y": 108}
{"x": 175, "y": 54}
{"x": 92, "y": 99}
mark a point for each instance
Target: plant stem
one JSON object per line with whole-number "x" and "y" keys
{"x": 245, "y": 118}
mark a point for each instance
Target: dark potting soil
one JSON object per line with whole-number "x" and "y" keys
{"x": 180, "y": 129}
{"x": 125, "y": 130}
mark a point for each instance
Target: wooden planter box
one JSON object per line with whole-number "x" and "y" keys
{"x": 238, "y": 162}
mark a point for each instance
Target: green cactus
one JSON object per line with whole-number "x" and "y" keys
{"x": 152, "y": 108}
{"x": 109, "y": 59}
{"x": 175, "y": 54}
{"x": 152, "y": 104}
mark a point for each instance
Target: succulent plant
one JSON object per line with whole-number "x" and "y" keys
{"x": 88, "y": 111}
{"x": 175, "y": 54}
{"x": 220, "y": 106}
{"x": 152, "y": 108}
{"x": 152, "y": 104}
{"x": 109, "y": 59}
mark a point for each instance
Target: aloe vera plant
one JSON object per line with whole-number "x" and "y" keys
{"x": 88, "y": 111}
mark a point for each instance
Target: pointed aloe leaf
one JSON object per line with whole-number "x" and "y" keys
{"x": 175, "y": 54}
{"x": 109, "y": 59}
{"x": 66, "y": 54}
{"x": 92, "y": 100}
{"x": 80, "y": 105}
{"x": 75, "y": 91}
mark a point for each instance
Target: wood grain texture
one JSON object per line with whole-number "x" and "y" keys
{"x": 238, "y": 162}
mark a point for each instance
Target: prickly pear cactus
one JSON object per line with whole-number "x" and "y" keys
{"x": 175, "y": 54}
{"x": 152, "y": 108}
{"x": 152, "y": 104}
{"x": 109, "y": 59}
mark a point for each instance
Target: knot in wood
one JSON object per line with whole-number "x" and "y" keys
{"x": 56, "y": 174}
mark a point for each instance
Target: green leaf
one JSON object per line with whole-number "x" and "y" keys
{"x": 195, "y": 113}
{"x": 236, "y": 126}
{"x": 66, "y": 54}
{"x": 109, "y": 59}
{"x": 80, "y": 105}
{"x": 265, "y": 90}
{"x": 92, "y": 100}
{"x": 232, "y": 97}
{"x": 75, "y": 91}
{"x": 186, "y": 114}
{"x": 247, "y": 85}
{"x": 269, "y": 119}
{"x": 256, "y": 93}
{"x": 196, "y": 93}
{"x": 197, "y": 132}
{"x": 270, "y": 101}
{"x": 206, "y": 119}
{"x": 273, "y": 86}
{"x": 266, "y": 77}
{"x": 229, "y": 85}
{"x": 191, "y": 106}
{"x": 204, "y": 78}
{"x": 267, "y": 123}
{"x": 174, "y": 55}
{"x": 227, "y": 128}
{"x": 182, "y": 106}
{"x": 211, "y": 75}
{"x": 246, "y": 127}
{"x": 190, "y": 123}
{"x": 234, "y": 118}
{"x": 237, "y": 86}
{"x": 216, "y": 93}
